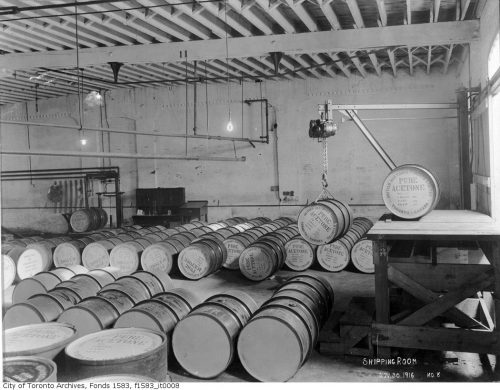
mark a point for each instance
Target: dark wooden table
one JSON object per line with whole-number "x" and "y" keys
{"x": 440, "y": 287}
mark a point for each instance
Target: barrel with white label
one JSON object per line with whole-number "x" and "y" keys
{"x": 43, "y": 340}
{"x": 323, "y": 221}
{"x": 160, "y": 256}
{"x": 204, "y": 342}
{"x": 259, "y": 261}
{"x": 69, "y": 253}
{"x": 410, "y": 191}
{"x": 127, "y": 256}
{"x": 29, "y": 369}
{"x": 133, "y": 351}
{"x": 35, "y": 259}
{"x": 96, "y": 254}
{"x": 235, "y": 245}
{"x": 300, "y": 254}
{"x": 362, "y": 256}
{"x": 8, "y": 270}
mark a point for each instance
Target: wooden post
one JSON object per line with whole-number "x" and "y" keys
{"x": 380, "y": 260}
{"x": 463, "y": 141}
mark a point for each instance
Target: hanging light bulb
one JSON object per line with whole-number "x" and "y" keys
{"x": 83, "y": 141}
{"x": 229, "y": 126}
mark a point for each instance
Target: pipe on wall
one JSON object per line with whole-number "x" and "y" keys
{"x": 52, "y": 153}
{"x": 110, "y": 130}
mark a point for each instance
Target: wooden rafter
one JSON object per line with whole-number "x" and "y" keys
{"x": 392, "y": 60}
{"x": 356, "y": 13}
{"x": 357, "y": 63}
{"x": 329, "y": 13}
{"x": 298, "y": 8}
{"x": 376, "y": 66}
{"x": 429, "y": 59}
{"x": 382, "y": 12}
{"x": 447, "y": 59}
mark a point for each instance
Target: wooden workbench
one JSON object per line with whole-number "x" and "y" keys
{"x": 440, "y": 287}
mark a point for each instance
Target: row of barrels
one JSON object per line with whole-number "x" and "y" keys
{"x": 26, "y": 257}
{"x": 352, "y": 248}
{"x": 272, "y": 342}
{"x": 50, "y": 295}
{"x": 209, "y": 253}
{"x": 266, "y": 255}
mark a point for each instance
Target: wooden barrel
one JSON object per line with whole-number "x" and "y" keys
{"x": 204, "y": 342}
{"x": 8, "y": 270}
{"x": 37, "y": 309}
{"x": 35, "y": 259}
{"x": 134, "y": 288}
{"x": 262, "y": 258}
{"x": 162, "y": 313}
{"x": 160, "y": 256}
{"x": 318, "y": 283}
{"x": 42, "y": 340}
{"x": 90, "y": 315}
{"x": 29, "y": 369}
{"x": 200, "y": 259}
{"x": 235, "y": 245}
{"x": 69, "y": 253}
{"x": 40, "y": 283}
{"x": 324, "y": 221}
{"x": 84, "y": 220}
{"x": 274, "y": 344}
{"x": 410, "y": 191}
{"x": 362, "y": 256}
{"x": 300, "y": 254}
{"x": 133, "y": 351}
{"x": 126, "y": 256}
{"x": 334, "y": 257}
{"x": 96, "y": 255}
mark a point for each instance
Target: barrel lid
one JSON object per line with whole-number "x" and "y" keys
{"x": 121, "y": 378}
{"x": 410, "y": 191}
{"x": 115, "y": 345}
{"x": 37, "y": 338}
{"x": 28, "y": 369}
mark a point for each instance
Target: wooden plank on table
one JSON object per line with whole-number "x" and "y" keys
{"x": 441, "y": 277}
{"x": 437, "y": 339}
{"x": 448, "y": 300}
{"x": 427, "y": 296}
{"x": 438, "y": 225}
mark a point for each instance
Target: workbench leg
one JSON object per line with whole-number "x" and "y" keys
{"x": 495, "y": 262}
{"x": 380, "y": 260}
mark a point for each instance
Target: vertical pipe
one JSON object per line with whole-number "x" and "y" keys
{"x": 195, "y": 96}
{"x": 186, "y": 151}
{"x": 155, "y": 151}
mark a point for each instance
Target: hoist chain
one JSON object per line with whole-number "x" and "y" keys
{"x": 324, "y": 176}
{"x": 325, "y": 194}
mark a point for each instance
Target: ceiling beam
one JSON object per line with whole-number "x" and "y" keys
{"x": 437, "y": 5}
{"x": 382, "y": 12}
{"x": 423, "y": 34}
{"x": 356, "y": 13}
{"x": 329, "y": 13}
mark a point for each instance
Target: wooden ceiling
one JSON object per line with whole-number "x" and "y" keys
{"x": 164, "y": 42}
